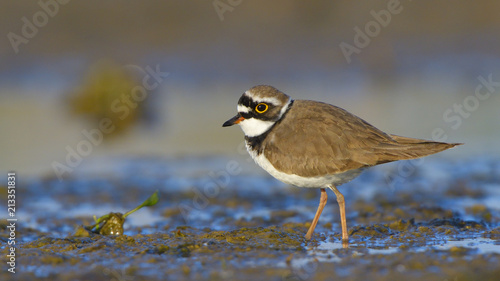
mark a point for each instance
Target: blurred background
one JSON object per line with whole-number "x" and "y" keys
{"x": 107, "y": 79}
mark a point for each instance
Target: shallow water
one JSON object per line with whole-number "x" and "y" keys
{"x": 435, "y": 221}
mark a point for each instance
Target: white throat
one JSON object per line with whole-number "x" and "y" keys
{"x": 254, "y": 127}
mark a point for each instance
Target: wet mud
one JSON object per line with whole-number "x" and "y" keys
{"x": 431, "y": 226}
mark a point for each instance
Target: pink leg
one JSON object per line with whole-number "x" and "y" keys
{"x": 340, "y": 200}
{"x": 322, "y": 203}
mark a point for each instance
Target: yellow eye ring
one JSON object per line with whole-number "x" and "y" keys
{"x": 261, "y": 107}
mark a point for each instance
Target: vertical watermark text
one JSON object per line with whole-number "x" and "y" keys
{"x": 11, "y": 220}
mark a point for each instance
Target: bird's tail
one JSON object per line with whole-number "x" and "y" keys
{"x": 410, "y": 148}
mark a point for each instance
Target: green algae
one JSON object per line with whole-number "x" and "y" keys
{"x": 112, "y": 223}
{"x": 394, "y": 236}
{"x": 189, "y": 252}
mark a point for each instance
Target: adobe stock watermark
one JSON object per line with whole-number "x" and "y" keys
{"x": 31, "y": 26}
{"x": 118, "y": 275}
{"x": 363, "y": 37}
{"x": 454, "y": 116}
{"x": 303, "y": 271}
{"x": 216, "y": 183}
{"x": 122, "y": 107}
{"x": 12, "y": 223}
{"x": 223, "y": 6}
{"x": 460, "y": 111}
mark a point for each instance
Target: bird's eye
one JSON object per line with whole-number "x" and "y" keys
{"x": 261, "y": 107}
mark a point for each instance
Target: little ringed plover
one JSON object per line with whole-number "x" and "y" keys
{"x": 313, "y": 144}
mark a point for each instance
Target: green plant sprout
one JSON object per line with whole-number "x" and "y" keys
{"x": 112, "y": 223}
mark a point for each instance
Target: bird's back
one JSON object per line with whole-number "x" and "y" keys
{"x": 317, "y": 139}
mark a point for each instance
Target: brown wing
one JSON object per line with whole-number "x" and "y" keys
{"x": 317, "y": 139}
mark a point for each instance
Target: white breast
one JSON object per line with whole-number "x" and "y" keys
{"x": 311, "y": 182}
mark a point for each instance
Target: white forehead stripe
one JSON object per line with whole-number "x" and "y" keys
{"x": 243, "y": 109}
{"x": 272, "y": 100}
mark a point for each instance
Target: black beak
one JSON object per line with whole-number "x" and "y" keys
{"x": 235, "y": 120}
